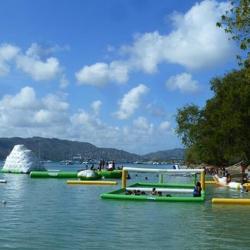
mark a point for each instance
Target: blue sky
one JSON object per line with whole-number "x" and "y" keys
{"x": 112, "y": 73}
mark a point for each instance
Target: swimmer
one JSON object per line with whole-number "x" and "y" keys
{"x": 197, "y": 190}
{"x": 154, "y": 192}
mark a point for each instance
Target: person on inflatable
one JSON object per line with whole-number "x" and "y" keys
{"x": 197, "y": 190}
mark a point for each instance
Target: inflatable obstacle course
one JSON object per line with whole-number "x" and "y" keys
{"x": 115, "y": 174}
{"x": 172, "y": 192}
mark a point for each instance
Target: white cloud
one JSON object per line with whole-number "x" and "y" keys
{"x": 100, "y": 73}
{"x": 37, "y": 69}
{"x": 156, "y": 110}
{"x": 53, "y": 102}
{"x": 80, "y": 118}
{"x": 195, "y": 42}
{"x": 141, "y": 123}
{"x": 7, "y": 53}
{"x": 25, "y": 114}
{"x": 165, "y": 125}
{"x": 26, "y": 98}
{"x": 25, "y": 110}
{"x": 131, "y": 101}
{"x": 64, "y": 82}
{"x": 182, "y": 82}
{"x": 34, "y": 62}
{"x": 143, "y": 127}
{"x": 96, "y": 105}
{"x": 38, "y": 51}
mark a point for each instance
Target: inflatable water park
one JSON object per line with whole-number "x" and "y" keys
{"x": 23, "y": 161}
{"x": 160, "y": 191}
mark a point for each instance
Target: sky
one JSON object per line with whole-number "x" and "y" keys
{"x": 112, "y": 73}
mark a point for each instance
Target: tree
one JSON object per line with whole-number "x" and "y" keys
{"x": 219, "y": 133}
{"x": 236, "y": 22}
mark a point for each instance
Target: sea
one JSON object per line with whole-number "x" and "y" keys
{"x": 50, "y": 214}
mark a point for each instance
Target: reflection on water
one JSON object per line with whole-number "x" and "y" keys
{"x": 49, "y": 214}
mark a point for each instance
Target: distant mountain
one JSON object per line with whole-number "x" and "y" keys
{"x": 165, "y": 155}
{"x": 57, "y": 150}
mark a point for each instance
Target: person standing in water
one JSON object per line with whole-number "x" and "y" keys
{"x": 244, "y": 173}
{"x": 197, "y": 190}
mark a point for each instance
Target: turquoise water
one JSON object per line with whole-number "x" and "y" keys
{"x": 49, "y": 214}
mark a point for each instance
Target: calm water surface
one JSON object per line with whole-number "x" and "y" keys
{"x": 49, "y": 214}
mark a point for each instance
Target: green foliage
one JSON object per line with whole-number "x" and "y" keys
{"x": 219, "y": 133}
{"x": 187, "y": 120}
{"x": 236, "y": 22}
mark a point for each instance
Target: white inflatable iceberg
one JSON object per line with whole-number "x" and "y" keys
{"x": 22, "y": 160}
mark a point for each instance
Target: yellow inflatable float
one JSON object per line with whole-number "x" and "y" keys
{"x": 231, "y": 201}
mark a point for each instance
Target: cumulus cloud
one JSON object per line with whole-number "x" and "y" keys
{"x": 38, "y": 51}
{"x": 26, "y": 98}
{"x": 165, "y": 125}
{"x": 39, "y": 70}
{"x": 34, "y": 62}
{"x": 26, "y": 110}
{"x": 100, "y": 73}
{"x": 25, "y": 114}
{"x": 182, "y": 82}
{"x": 194, "y": 43}
{"x": 96, "y": 105}
{"x": 141, "y": 123}
{"x": 7, "y": 53}
{"x": 142, "y": 126}
{"x": 64, "y": 82}
{"x": 131, "y": 101}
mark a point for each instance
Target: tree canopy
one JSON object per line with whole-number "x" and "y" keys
{"x": 219, "y": 132}
{"x": 236, "y": 22}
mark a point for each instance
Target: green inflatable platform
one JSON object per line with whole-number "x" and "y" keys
{"x": 53, "y": 174}
{"x": 115, "y": 174}
{"x": 168, "y": 196}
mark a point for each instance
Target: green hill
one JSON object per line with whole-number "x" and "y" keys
{"x": 57, "y": 150}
